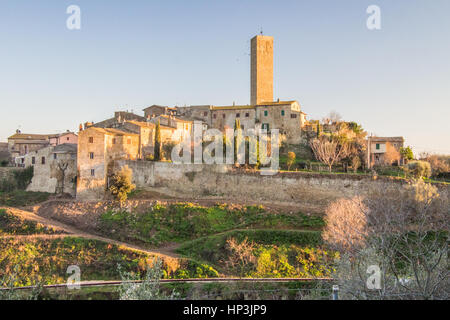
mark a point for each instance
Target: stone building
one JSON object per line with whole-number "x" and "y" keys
{"x": 384, "y": 151}
{"x": 286, "y": 116}
{"x": 263, "y": 112}
{"x": 261, "y": 73}
{"x": 98, "y": 148}
{"x": 55, "y": 169}
{"x": 20, "y": 144}
{"x": 63, "y": 138}
{"x": 156, "y": 110}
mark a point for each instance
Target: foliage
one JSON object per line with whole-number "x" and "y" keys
{"x": 290, "y": 159}
{"x": 121, "y": 184}
{"x": 23, "y": 177}
{"x": 356, "y": 162}
{"x": 405, "y": 234}
{"x": 148, "y": 289}
{"x": 167, "y": 150}
{"x": 328, "y": 151}
{"x": 346, "y": 224}
{"x": 8, "y": 281}
{"x": 440, "y": 165}
{"x": 185, "y": 221}
{"x": 158, "y": 143}
{"x": 407, "y": 153}
{"x": 418, "y": 169}
{"x": 240, "y": 255}
{"x": 8, "y": 185}
{"x": 46, "y": 261}
{"x": 13, "y": 225}
{"x": 21, "y": 198}
{"x": 263, "y": 253}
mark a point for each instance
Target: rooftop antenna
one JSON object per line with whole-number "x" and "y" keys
{"x": 261, "y": 31}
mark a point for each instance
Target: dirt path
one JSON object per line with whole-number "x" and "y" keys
{"x": 166, "y": 252}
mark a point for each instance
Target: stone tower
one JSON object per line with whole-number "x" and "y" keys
{"x": 261, "y": 73}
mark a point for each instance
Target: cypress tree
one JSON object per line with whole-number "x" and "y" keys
{"x": 158, "y": 142}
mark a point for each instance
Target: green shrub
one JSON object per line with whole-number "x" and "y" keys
{"x": 419, "y": 169}
{"x": 121, "y": 184}
{"x": 20, "y": 198}
{"x": 23, "y": 177}
{"x": 185, "y": 221}
{"x": 8, "y": 185}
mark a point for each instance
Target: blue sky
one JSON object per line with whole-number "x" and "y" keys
{"x": 132, "y": 54}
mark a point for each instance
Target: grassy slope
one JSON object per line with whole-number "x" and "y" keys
{"x": 21, "y": 198}
{"x": 13, "y": 225}
{"x": 185, "y": 221}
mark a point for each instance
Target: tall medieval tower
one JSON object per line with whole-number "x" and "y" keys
{"x": 261, "y": 73}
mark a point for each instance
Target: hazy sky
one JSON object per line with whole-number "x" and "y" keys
{"x": 132, "y": 54}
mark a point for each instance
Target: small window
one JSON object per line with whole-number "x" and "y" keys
{"x": 33, "y": 160}
{"x": 282, "y": 113}
{"x": 247, "y": 114}
{"x": 214, "y": 116}
{"x": 43, "y": 160}
{"x": 92, "y": 172}
{"x": 223, "y": 115}
{"x": 54, "y": 156}
{"x": 378, "y": 146}
{"x": 238, "y": 115}
{"x": 205, "y": 113}
{"x": 67, "y": 138}
{"x": 265, "y": 126}
{"x": 91, "y": 155}
{"x": 114, "y": 141}
{"x": 91, "y": 139}
{"x": 266, "y": 113}
{"x": 293, "y": 116}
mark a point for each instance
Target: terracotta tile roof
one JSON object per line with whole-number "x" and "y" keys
{"x": 26, "y": 136}
{"x": 113, "y": 131}
{"x": 232, "y": 107}
{"x": 275, "y": 103}
{"x": 390, "y": 139}
{"x": 65, "y": 148}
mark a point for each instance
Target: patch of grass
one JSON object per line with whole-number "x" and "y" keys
{"x": 206, "y": 247}
{"x": 185, "y": 221}
{"x": 13, "y": 225}
{"x": 46, "y": 261}
{"x": 20, "y": 198}
{"x": 276, "y": 253}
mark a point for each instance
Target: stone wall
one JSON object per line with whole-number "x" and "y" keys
{"x": 7, "y": 172}
{"x": 310, "y": 191}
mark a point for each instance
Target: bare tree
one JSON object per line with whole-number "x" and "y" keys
{"x": 403, "y": 231}
{"x": 62, "y": 167}
{"x": 334, "y": 117}
{"x": 241, "y": 255}
{"x": 328, "y": 151}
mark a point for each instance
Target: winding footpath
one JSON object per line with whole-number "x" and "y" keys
{"x": 70, "y": 231}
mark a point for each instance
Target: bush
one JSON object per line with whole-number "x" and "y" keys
{"x": 419, "y": 169}
{"x": 167, "y": 150}
{"x": 23, "y": 177}
{"x": 290, "y": 160}
{"x": 121, "y": 184}
{"x": 8, "y": 185}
